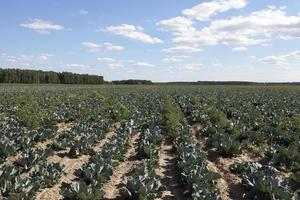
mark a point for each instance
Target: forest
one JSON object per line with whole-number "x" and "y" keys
{"x": 39, "y": 76}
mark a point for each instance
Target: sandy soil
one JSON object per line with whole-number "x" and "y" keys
{"x": 229, "y": 184}
{"x": 70, "y": 166}
{"x": 168, "y": 172}
{"x": 111, "y": 188}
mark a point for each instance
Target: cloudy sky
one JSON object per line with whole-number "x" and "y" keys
{"x": 161, "y": 40}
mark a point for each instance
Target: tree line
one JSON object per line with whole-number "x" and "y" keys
{"x": 132, "y": 82}
{"x": 38, "y": 76}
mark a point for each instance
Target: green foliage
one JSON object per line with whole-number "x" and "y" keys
{"x": 192, "y": 160}
{"x": 237, "y": 168}
{"x": 31, "y": 156}
{"x": 118, "y": 111}
{"x": 225, "y": 144}
{"x": 217, "y": 117}
{"x": 47, "y": 174}
{"x": 144, "y": 183}
{"x": 30, "y": 113}
{"x": 150, "y": 141}
{"x": 265, "y": 181}
{"x": 287, "y": 156}
{"x": 7, "y": 148}
{"x": 19, "y": 188}
{"x": 34, "y": 76}
{"x": 79, "y": 190}
{"x": 297, "y": 123}
{"x": 100, "y": 167}
{"x": 97, "y": 172}
{"x": 284, "y": 123}
{"x": 171, "y": 117}
{"x": 296, "y": 177}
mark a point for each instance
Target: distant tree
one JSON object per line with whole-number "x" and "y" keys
{"x": 34, "y": 76}
{"x": 132, "y": 82}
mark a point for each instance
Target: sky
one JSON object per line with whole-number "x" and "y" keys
{"x": 169, "y": 40}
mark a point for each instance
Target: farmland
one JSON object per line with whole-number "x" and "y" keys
{"x": 149, "y": 142}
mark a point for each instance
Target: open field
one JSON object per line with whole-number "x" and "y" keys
{"x": 149, "y": 142}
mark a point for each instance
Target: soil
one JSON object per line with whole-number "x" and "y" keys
{"x": 229, "y": 184}
{"x": 112, "y": 187}
{"x": 70, "y": 166}
{"x": 169, "y": 173}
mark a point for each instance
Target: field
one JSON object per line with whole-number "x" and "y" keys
{"x": 149, "y": 142}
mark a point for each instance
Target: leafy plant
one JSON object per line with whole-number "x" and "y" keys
{"x": 19, "y": 188}
{"x": 30, "y": 113}
{"x": 80, "y": 191}
{"x": 264, "y": 180}
{"x": 144, "y": 183}
{"x": 97, "y": 172}
{"x": 47, "y": 174}
{"x": 225, "y": 144}
{"x": 31, "y": 156}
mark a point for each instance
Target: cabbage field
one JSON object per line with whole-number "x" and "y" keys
{"x": 149, "y": 142}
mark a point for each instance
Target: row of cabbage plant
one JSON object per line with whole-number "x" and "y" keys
{"x": 191, "y": 159}
{"x": 143, "y": 182}
{"x": 98, "y": 170}
{"x": 42, "y": 174}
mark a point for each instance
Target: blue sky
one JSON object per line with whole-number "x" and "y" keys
{"x": 169, "y": 40}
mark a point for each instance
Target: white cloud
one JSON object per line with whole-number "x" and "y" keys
{"x": 132, "y": 61}
{"x": 240, "y": 49}
{"x": 94, "y": 47}
{"x": 45, "y": 56}
{"x": 132, "y": 32}
{"x": 175, "y": 58}
{"x": 111, "y": 63}
{"x": 144, "y": 64}
{"x": 91, "y": 46}
{"x": 284, "y": 59}
{"x": 32, "y": 59}
{"x": 111, "y": 47}
{"x": 115, "y": 65}
{"x": 184, "y": 49}
{"x": 185, "y": 33}
{"x": 284, "y": 68}
{"x": 274, "y": 60}
{"x": 76, "y": 65}
{"x": 83, "y": 12}
{"x": 177, "y": 24}
{"x": 266, "y": 45}
{"x": 105, "y": 59}
{"x": 217, "y": 64}
{"x": 256, "y": 28}
{"x": 42, "y": 26}
{"x": 205, "y": 10}
{"x": 192, "y": 66}
{"x": 259, "y": 27}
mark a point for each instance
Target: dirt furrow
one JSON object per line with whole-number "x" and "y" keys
{"x": 111, "y": 188}
{"x": 229, "y": 184}
{"x": 168, "y": 172}
{"x": 70, "y": 166}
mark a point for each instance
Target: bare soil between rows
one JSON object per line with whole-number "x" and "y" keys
{"x": 230, "y": 184}
{"x": 169, "y": 173}
{"x": 70, "y": 166}
{"x": 112, "y": 187}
